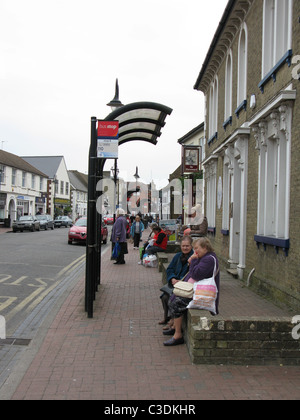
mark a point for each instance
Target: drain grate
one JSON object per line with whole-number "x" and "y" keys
{"x": 15, "y": 342}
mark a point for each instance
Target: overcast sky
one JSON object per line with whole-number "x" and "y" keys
{"x": 59, "y": 60}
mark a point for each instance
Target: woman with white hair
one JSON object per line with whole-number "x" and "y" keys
{"x": 119, "y": 235}
{"x": 198, "y": 222}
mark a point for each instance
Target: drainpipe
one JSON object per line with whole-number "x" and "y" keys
{"x": 249, "y": 277}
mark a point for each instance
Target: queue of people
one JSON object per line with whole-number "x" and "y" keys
{"x": 122, "y": 231}
{"x": 195, "y": 262}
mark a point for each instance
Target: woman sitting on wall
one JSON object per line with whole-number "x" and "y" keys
{"x": 202, "y": 265}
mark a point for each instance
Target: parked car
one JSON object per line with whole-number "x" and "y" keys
{"x": 50, "y": 221}
{"x": 46, "y": 221}
{"x": 63, "y": 221}
{"x": 108, "y": 219}
{"x": 78, "y": 231}
{"x": 104, "y": 233}
{"x": 26, "y": 223}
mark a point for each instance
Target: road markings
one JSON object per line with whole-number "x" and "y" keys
{"x": 18, "y": 281}
{"x": 28, "y": 304}
{"x": 24, "y": 303}
{"x": 7, "y": 301}
{"x": 72, "y": 265}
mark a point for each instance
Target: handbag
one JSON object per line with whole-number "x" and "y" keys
{"x": 167, "y": 289}
{"x": 184, "y": 289}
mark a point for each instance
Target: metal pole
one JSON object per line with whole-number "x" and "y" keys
{"x": 100, "y": 166}
{"x": 91, "y": 222}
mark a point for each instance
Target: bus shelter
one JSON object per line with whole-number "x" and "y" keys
{"x": 139, "y": 121}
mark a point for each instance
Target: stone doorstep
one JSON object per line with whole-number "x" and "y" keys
{"x": 240, "y": 340}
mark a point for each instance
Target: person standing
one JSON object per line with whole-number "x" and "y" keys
{"x": 136, "y": 231}
{"x": 119, "y": 235}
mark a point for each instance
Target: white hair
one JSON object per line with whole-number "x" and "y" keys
{"x": 120, "y": 212}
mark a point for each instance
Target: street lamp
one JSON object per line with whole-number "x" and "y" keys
{"x": 115, "y": 173}
{"x": 136, "y": 175}
{"x": 115, "y": 103}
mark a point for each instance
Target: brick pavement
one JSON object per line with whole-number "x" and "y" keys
{"x": 5, "y": 230}
{"x": 119, "y": 354}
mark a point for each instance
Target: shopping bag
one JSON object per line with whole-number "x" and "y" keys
{"x": 205, "y": 294}
{"x": 150, "y": 261}
{"x": 116, "y": 251}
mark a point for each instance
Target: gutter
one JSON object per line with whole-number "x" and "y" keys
{"x": 215, "y": 40}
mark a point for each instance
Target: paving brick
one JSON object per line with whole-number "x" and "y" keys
{"x": 119, "y": 354}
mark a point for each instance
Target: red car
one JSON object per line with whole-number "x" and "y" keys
{"x": 108, "y": 219}
{"x": 77, "y": 232}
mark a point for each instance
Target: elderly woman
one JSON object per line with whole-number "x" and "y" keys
{"x": 119, "y": 235}
{"x": 176, "y": 270}
{"x": 202, "y": 266}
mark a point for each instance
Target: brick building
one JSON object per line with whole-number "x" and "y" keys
{"x": 250, "y": 80}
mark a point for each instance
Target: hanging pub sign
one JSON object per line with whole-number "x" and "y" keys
{"x": 107, "y": 139}
{"x": 190, "y": 159}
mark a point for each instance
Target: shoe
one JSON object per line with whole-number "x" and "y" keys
{"x": 174, "y": 342}
{"x": 140, "y": 263}
{"x": 169, "y": 332}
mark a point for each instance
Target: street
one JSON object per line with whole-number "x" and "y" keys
{"x": 33, "y": 264}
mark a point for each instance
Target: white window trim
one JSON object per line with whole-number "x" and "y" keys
{"x": 242, "y": 66}
{"x": 277, "y": 32}
{"x": 211, "y": 191}
{"x": 213, "y": 108}
{"x": 226, "y": 193}
{"x": 228, "y": 87}
{"x": 273, "y": 141}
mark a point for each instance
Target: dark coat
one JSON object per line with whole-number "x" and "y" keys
{"x": 119, "y": 230}
{"x": 176, "y": 269}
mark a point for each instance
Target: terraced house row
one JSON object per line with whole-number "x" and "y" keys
{"x": 250, "y": 79}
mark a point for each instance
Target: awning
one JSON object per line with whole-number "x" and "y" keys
{"x": 140, "y": 121}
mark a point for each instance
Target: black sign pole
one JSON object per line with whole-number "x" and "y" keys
{"x": 100, "y": 166}
{"x": 91, "y": 223}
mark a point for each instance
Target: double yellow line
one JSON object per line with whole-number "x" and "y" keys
{"x": 39, "y": 294}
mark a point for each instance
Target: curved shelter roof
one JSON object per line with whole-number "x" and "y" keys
{"x": 140, "y": 121}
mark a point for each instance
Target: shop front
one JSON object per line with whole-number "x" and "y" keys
{"x": 40, "y": 204}
{"x": 61, "y": 207}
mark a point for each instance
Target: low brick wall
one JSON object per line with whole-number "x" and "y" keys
{"x": 240, "y": 341}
